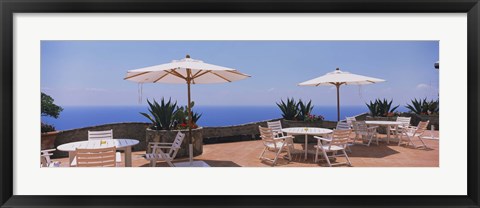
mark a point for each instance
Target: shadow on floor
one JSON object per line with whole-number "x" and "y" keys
{"x": 373, "y": 151}
{"x": 211, "y": 163}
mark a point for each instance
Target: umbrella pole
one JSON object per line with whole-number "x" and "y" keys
{"x": 338, "y": 101}
{"x": 190, "y": 145}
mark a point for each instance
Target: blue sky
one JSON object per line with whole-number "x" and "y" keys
{"x": 91, "y": 73}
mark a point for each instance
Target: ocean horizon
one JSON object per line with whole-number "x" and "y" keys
{"x": 73, "y": 117}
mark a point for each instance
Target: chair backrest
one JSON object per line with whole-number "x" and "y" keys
{"x": 405, "y": 121}
{"x": 421, "y": 127}
{"x": 343, "y": 125}
{"x": 350, "y": 120}
{"x": 276, "y": 127}
{"x": 340, "y": 138}
{"x": 267, "y": 135}
{"x": 100, "y": 135}
{"x": 359, "y": 126}
{"x": 177, "y": 143}
{"x": 102, "y": 157}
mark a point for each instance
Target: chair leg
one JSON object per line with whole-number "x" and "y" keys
{"x": 170, "y": 163}
{"x": 289, "y": 154}
{"x": 276, "y": 156}
{"x": 153, "y": 163}
{"x": 424, "y": 145}
{"x": 326, "y": 158}
{"x": 263, "y": 152}
{"x": 346, "y": 156}
{"x": 316, "y": 155}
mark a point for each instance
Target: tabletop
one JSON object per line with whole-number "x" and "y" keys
{"x": 307, "y": 130}
{"x": 94, "y": 144}
{"x": 384, "y": 122}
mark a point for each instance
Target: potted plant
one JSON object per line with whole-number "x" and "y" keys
{"x": 48, "y": 132}
{"x": 167, "y": 119}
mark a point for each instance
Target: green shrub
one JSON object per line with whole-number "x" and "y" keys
{"x": 182, "y": 116}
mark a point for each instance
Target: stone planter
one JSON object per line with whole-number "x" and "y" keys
{"x": 48, "y": 140}
{"x": 301, "y": 138}
{"x": 167, "y": 136}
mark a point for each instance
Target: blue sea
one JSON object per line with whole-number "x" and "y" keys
{"x": 83, "y": 116}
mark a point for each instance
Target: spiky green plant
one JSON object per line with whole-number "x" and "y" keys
{"x": 289, "y": 109}
{"x": 385, "y": 107}
{"x": 304, "y": 110}
{"x": 423, "y": 107}
{"x": 373, "y": 107}
{"x": 163, "y": 115}
{"x": 381, "y": 107}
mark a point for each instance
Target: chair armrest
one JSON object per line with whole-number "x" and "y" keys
{"x": 47, "y": 151}
{"x": 323, "y": 139}
{"x": 285, "y": 137}
{"x": 161, "y": 143}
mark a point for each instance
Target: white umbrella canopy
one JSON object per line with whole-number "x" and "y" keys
{"x": 338, "y": 78}
{"x": 179, "y": 71}
{"x": 185, "y": 71}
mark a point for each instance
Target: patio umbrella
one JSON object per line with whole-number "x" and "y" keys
{"x": 338, "y": 78}
{"x": 185, "y": 71}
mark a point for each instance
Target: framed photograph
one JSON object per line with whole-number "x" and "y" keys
{"x": 247, "y": 104}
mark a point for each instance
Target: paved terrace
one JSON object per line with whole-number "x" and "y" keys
{"x": 245, "y": 154}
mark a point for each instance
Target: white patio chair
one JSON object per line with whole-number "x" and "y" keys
{"x": 409, "y": 133}
{"x": 338, "y": 142}
{"x": 343, "y": 125}
{"x": 158, "y": 153}
{"x": 396, "y": 130}
{"x": 275, "y": 144}
{"x": 364, "y": 132}
{"x": 104, "y": 135}
{"x": 45, "y": 160}
{"x": 350, "y": 121}
{"x": 276, "y": 127}
{"x": 101, "y": 157}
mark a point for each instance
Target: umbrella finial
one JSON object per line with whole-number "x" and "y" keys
{"x": 188, "y": 56}
{"x": 338, "y": 69}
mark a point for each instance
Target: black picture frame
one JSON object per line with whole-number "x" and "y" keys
{"x": 10, "y": 7}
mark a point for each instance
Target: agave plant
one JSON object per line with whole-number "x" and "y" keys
{"x": 182, "y": 114}
{"x": 373, "y": 107}
{"x": 423, "y": 107}
{"x": 304, "y": 110}
{"x": 385, "y": 107}
{"x": 381, "y": 107}
{"x": 289, "y": 109}
{"x": 163, "y": 115}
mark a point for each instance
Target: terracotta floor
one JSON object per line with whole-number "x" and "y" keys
{"x": 245, "y": 154}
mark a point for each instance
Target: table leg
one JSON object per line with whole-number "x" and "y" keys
{"x": 388, "y": 134}
{"x": 128, "y": 157}
{"x": 306, "y": 145}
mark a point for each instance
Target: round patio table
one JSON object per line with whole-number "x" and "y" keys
{"x": 388, "y": 124}
{"x": 314, "y": 131}
{"x": 121, "y": 144}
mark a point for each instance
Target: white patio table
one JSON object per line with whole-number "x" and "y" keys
{"x": 388, "y": 124}
{"x": 120, "y": 144}
{"x": 307, "y": 131}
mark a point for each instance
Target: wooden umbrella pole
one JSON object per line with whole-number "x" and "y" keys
{"x": 338, "y": 101}
{"x": 190, "y": 146}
